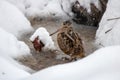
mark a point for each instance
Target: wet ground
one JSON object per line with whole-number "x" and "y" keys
{"x": 45, "y": 59}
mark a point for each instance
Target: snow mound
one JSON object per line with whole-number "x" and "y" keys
{"x": 103, "y": 64}
{"x": 44, "y": 37}
{"x": 10, "y": 46}
{"x": 51, "y": 8}
{"x": 21, "y": 4}
{"x": 10, "y": 72}
{"x": 44, "y": 8}
{"x": 13, "y": 20}
{"x": 108, "y": 32}
{"x": 11, "y": 49}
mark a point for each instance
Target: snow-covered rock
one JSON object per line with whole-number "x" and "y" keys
{"x": 108, "y": 32}
{"x": 103, "y": 64}
{"x": 44, "y": 37}
{"x": 13, "y": 20}
{"x": 88, "y": 12}
{"x": 9, "y": 71}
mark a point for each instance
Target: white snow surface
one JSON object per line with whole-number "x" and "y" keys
{"x": 9, "y": 71}
{"x": 50, "y": 8}
{"x": 47, "y": 9}
{"x": 44, "y": 37}
{"x": 108, "y": 32}
{"x": 43, "y": 8}
{"x": 13, "y": 20}
{"x": 103, "y": 64}
{"x": 12, "y": 25}
{"x": 11, "y": 49}
{"x": 21, "y": 4}
{"x": 10, "y": 46}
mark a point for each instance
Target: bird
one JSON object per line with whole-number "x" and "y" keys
{"x": 70, "y": 42}
{"x": 37, "y": 44}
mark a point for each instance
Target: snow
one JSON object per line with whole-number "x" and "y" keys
{"x": 21, "y": 4}
{"x": 10, "y": 46}
{"x": 10, "y": 72}
{"x": 103, "y": 64}
{"x": 42, "y": 8}
{"x": 11, "y": 49}
{"x": 86, "y": 4}
{"x": 44, "y": 37}
{"x": 13, "y": 25}
{"x": 13, "y": 20}
{"x": 50, "y": 8}
{"x": 108, "y": 32}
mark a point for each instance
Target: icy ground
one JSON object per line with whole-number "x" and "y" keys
{"x": 45, "y": 59}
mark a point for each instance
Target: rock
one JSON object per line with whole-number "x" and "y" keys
{"x": 82, "y": 16}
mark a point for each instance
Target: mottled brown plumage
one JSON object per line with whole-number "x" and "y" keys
{"x": 70, "y": 42}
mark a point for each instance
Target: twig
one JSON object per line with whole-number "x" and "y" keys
{"x": 113, "y": 18}
{"x": 108, "y": 30}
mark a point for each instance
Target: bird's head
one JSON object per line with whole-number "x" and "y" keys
{"x": 67, "y": 23}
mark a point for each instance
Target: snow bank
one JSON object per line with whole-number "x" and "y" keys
{"x": 44, "y": 37}
{"x": 11, "y": 49}
{"x": 21, "y": 4}
{"x": 50, "y": 8}
{"x": 47, "y": 9}
{"x": 10, "y": 46}
{"x": 101, "y": 65}
{"x": 108, "y": 32}
{"x": 10, "y": 72}
{"x": 43, "y": 8}
{"x": 13, "y": 20}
